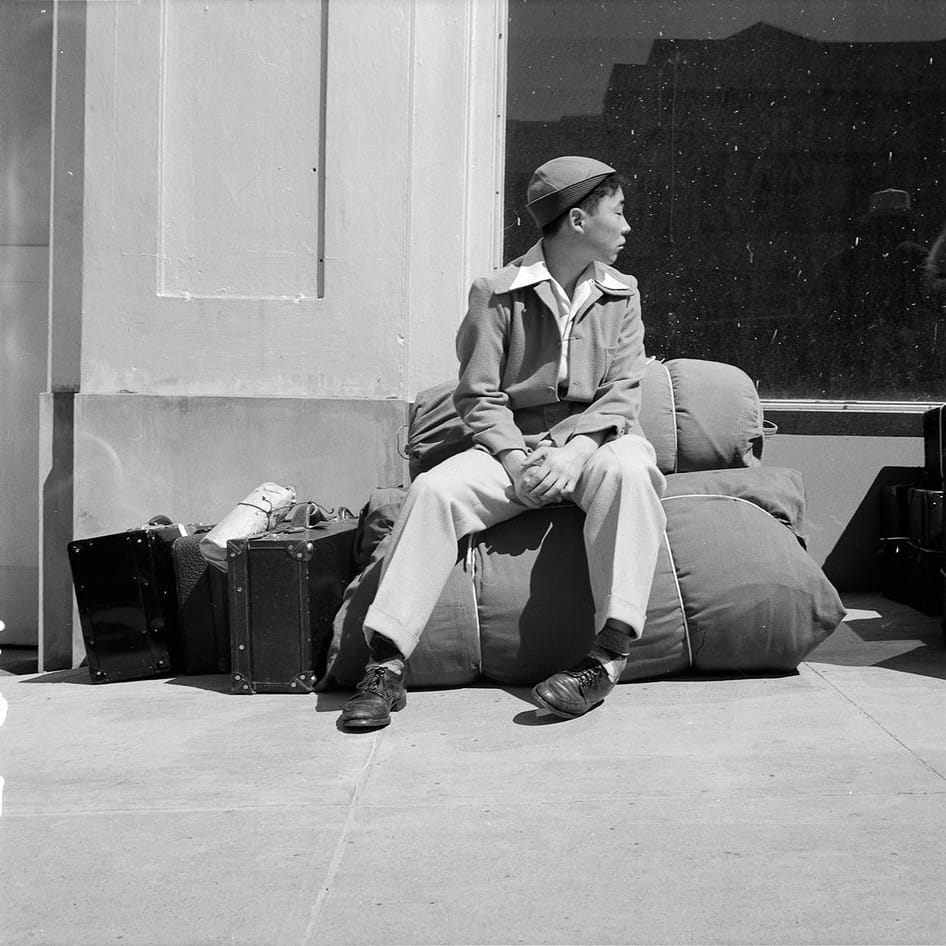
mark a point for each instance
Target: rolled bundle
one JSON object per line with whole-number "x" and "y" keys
{"x": 259, "y": 512}
{"x": 701, "y": 415}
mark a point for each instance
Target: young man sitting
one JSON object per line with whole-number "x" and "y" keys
{"x": 551, "y": 355}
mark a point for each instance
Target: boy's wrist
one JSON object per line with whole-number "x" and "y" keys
{"x": 583, "y": 445}
{"x": 512, "y": 460}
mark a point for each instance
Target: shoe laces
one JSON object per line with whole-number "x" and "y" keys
{"x": 588, "y": 672}
{"x": 373, "y": 680}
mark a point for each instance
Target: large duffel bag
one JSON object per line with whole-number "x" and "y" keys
{"x": 734, "y": 591}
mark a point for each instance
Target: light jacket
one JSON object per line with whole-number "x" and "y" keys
{"x": 509, "y": 346}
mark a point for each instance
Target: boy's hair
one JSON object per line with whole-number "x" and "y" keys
{"x": 588, "y": 203}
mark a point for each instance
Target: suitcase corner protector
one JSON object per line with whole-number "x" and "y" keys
{"x": 303, "y": 683}
{"x": 242, "y": 685}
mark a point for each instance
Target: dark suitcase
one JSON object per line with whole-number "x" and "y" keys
{"x": 895, "y": 511}
{"x": 203, "y": 608}
{"x": 127, "y": 602}
{"x": 933, "y": 446}
{"x": 285, "y": 588}
{"x": 896, "y": 569}
{"x": 912, "y": 576}
{"x": 926, "y": 518}
{"x": 894, "y": 551}
{"x": 925, "y": 584}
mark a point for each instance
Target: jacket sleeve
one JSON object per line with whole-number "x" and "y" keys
{"x": 615, "y": 408}
{"x": 481, "y": 349}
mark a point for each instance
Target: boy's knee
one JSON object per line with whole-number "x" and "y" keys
{"x": 631, "y": 458}
{"x": 432, "y": 484}
{"x": 628, "y": 454}
{"x": 423, "y": 483}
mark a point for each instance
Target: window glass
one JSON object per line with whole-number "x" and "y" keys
{"x": 785, "y": 176}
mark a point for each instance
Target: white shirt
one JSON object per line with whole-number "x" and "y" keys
{"x": 533, "y": 270}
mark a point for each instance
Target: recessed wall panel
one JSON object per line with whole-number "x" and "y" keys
{"x": 239, "y": 148}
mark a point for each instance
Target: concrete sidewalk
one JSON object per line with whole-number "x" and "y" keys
{"x": 808, "y": 808}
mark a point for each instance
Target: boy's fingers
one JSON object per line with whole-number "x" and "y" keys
{"x": 550, "y": 489}
{"x": 531, "y": 479}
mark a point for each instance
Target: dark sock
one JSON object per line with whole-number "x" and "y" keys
{"x": 614, "y": 640}
{"x": 613, "y": 663}
{"x": 383, "y": 650}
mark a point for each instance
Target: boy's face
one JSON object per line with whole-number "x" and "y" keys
{"x": 605, "y": 227}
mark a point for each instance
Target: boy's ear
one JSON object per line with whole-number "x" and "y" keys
{"x": 576, "y": 218}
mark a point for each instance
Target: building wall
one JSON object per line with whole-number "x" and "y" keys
{"x": 309, "y": 228}
{"x": 284, "y": 204}
{"x": 25, "y": 63}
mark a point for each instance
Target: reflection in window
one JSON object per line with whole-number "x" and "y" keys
{"x": 786, "y": 164}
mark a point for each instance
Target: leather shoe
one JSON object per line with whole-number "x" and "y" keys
{"x": 380, "y": 692}
{"x": 571, "y": 693}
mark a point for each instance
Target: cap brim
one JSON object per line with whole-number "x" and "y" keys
{"x": 545, "y": 209}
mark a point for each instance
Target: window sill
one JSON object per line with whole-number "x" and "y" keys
{"x": 848, "y": 418}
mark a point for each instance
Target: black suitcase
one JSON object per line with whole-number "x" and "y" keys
{"x": 127, "y": 602}
{"x": 896, "y": 569}
{"x": 926, "y": 518}
{"x": 912, "y": 576}
{"x": 925, "y": 583}
{"x": 203, "y": 608}
{"x": 895, "y": 511}
{"x": 934, "y": 458}
{"x": 285, "y": 588}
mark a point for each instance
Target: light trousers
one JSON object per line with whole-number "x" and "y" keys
{"x": 619, "y": 490}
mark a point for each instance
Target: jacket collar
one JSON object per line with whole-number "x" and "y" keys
{"x": 530, "y": 270}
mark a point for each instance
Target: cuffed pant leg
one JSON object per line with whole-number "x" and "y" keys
{"x": 620, "y": 490}
{"x": 466, "y": 493}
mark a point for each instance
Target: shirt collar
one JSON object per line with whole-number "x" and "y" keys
{"x": 606, "y": 279}
{"x": 533, "y": 270}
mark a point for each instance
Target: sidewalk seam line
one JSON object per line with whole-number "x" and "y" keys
{"x": 338, "y": 854}
{"x": 455, "y": 803}
{"x": 877, "y": 723}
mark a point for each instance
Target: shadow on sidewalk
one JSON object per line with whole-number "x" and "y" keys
{"x": 886, "y": 634}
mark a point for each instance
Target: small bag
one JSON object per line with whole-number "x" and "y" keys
{"x": 435, "y": 431}
{"x": 202, "y": 608}
{"x": 257, "y": 513}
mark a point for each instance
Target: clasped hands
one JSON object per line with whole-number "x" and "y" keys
{"x": 548, "y": 474}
